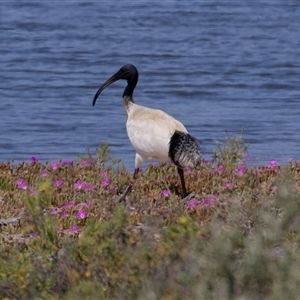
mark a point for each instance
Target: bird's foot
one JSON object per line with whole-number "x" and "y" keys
{"x": 188, "y": 196}
{"x": 123, "y": 197}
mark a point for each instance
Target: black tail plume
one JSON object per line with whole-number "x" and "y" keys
{"x": 184, "y": 150}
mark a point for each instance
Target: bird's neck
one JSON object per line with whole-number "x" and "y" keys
{"x": 128, "y": 91}
{"x": 127, "y": 102}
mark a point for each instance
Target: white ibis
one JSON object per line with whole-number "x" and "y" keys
{"x": 154, "y": 134}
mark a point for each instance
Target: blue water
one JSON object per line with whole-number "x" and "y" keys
{"x": 214, "y": 65}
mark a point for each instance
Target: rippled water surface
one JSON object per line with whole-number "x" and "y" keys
{"x": 215, "y": 66}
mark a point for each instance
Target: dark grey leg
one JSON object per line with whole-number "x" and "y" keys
{"x": 129, "y": 187}
{"x": 181, "y": 175}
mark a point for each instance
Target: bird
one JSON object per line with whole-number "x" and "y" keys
{"x": 154, "y": 134}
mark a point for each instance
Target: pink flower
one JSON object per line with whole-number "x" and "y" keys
{"x": 19, "y": 181}
{"x": 22, "y": 184}
{"x": 208, "y": 202}
{"x": 240, "y": 170}
{"x": 78, "y": 185}
{"x": 44, "y": 173}
{"x": 68, "y": 205}
{"x": 81, "y": 184}
{"x": 55, "y": 211}
{"x": 67, "y": 163}
{"x": 32, "y": 191}
{"x": 86, "y": 204}
{"x": 85, "y": 163}
{"x": 221, "y": 168}
{"x": 229, "y": 185}
{"x": 81, "y": 214}
{"x": 64, "y": 214}
{"x": 34, "y": 159}
{"x": 88, "y": 187}
{"x": 58, "y": 183}
{"x": 55, "y": 165}
{"x": 193, "y": 203}
{"x": 188, "y": 171}
{"x": 112, "y": 189}
{"x": 274, "y": 188}
{"x": 273, "y": 164}
{"x": 105, "y": 181}
{"x": 74, "y": 228}
{"x": 165, "y": 193}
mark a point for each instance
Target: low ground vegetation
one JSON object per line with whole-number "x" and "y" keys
{"x": 63, "y": 234}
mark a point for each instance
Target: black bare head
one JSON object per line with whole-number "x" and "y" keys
{"x": 128, "y": 72}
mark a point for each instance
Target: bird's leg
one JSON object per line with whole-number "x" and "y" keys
{"x": 129, "y": 187}
{"x": 181, "y": 175}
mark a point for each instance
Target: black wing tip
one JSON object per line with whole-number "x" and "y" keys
{"x": 184, "y": 149}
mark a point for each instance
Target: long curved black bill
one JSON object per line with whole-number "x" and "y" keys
{"x": 108, "y": 82}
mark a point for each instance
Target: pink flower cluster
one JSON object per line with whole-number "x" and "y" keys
{"x": 22, "y": 184}
{"x": 208, "y": 201}
{"x": 64, "y": 210}
{"x": 105, "y": 178}
{"x": 44, "y": 173}
{"x": 56, "y": 164}
{"x": 74, "y": 228}
{"x": 193, "y": 203}
{"x": 80, "y": 184}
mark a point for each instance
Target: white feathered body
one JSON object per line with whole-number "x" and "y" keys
{"x": 150, "y": 131}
